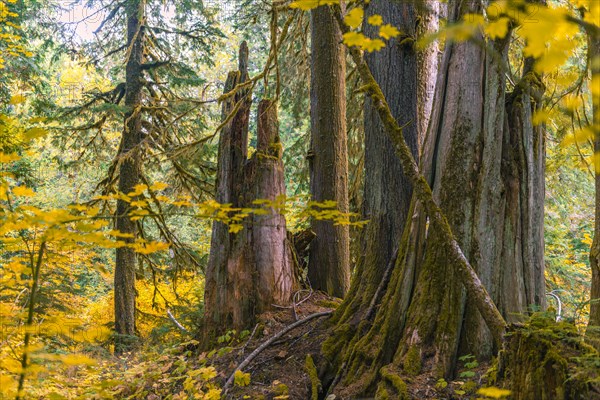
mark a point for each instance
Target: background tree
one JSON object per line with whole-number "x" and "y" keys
{"x": 594, "y": 56}
{"x": 329, "y": 259}
{"x": 129, "y": 174}
{"x": 155, "y": 98}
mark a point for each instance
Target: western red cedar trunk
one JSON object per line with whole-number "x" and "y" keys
{"x": 387, "y": 191}
{"x": 484, "y": 163}
{"x": 129, "y": 176}
{"x": 253, "y": 269}
{"x": 594, "y": 54}
{"x": 223, "y": 308}
{"x": 329, "y": 259}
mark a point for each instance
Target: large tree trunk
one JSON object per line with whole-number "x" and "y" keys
{"x": 329, "y": 260}
{"x": 219, "y": 301}
{"x": 253, "y": 269}
{"x": 129, "y": 176}
{"x": 425, "y": 319}
{"x": 594, "y": 52}
{"x": 387, "y": 191}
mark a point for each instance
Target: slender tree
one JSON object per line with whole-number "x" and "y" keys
{"x": 329, "y": 260}
{"x": 129, "y": 175}
{"x": 594, "y": 55}
{"x": 153, "y": 101}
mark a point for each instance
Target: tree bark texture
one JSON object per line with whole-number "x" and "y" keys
{"x": 594, "y": 52}
{"x": 455, "y": 275}
{"x": 387, "y": 190}
{"x": 253, "y": 269}
{"x": 329, "y": 260}
{"x": 548, "y": 360}
{"x": 129, "y": 176}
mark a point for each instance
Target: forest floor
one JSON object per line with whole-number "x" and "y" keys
{"x": 281, "y": 372}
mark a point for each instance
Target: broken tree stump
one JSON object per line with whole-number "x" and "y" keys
{"x": 253, "y": 269}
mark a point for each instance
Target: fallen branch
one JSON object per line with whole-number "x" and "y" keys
{"x": 266, "y": 344}
{"x": 177, "y": 324}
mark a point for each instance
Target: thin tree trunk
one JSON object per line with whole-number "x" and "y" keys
{"x": 594, "y": 52}
{"x": 129, "y": 176}
{"x": 428, "y": 15}
{"x": 329, "y": 260}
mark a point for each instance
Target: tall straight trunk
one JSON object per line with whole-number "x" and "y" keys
{"x": 387, "y": 191}
{"x": 484, "y": 162}
{"x": 329, "y": 259}
{"x": 129, "y": 176}
{"x": 594, "y": 52}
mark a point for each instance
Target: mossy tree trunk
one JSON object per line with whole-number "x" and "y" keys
{"x": 253, "y": 269}
{"x": 129, "y": 175}
{"x": 425, "y": 318}
{"x": 387, "y": 190}
{"x": 548, "y": 360}
{"x": 329, "y": 260}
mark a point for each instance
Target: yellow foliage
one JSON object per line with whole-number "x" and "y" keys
{"x": 494, "y": 392}
{"x": 388, "y": 31}
{"x": 354, "y": 17}
{"x": 241, "y": 378}
{"x": 375, "y": 20}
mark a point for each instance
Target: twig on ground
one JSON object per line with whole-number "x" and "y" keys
{"x": 266, "y": 344}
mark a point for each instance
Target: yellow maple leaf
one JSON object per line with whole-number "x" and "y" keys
{"x": 6, "y": 158}
{"x": 388, "y": 31}
{"x": 497, "y": 29}
{"x": 17, "y": 99}
{"x": 305, "y": 5}
{"x": 375, "y": 20}
{"x": 241, "y": 378}
{"x": 354, "y": 18}
{"x": 159, "y": 186}
{"x": 493, "y": 392}
{"x": 371, "y": 45}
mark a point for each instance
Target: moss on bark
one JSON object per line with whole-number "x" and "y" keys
{"x": 544, "y": 359}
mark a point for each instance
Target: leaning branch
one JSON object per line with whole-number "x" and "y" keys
{"x": 266, "y": 344}
{"x": 475, "y": 289}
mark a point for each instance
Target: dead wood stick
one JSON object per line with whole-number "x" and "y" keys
{"x": 266, "y": 344}
{"x": 177, "y": 324}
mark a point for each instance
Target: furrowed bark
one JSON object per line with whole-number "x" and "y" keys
{"x": 129, "y": 176}
{"x": 253, "y": 269}
{"x": 469, "y": 278}
{"x": 329, "y": 260}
